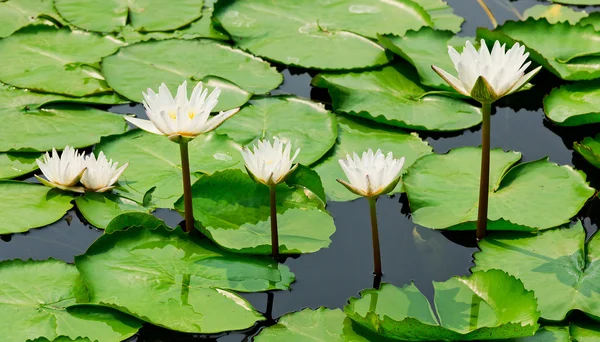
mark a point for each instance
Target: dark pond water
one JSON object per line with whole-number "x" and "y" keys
{"x": 410, "y": 252}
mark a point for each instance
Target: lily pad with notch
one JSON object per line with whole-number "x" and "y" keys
{"x": 589, "y": 149}
{"x": 16, "y": 14}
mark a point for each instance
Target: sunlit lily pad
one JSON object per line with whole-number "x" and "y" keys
{"x": 234, "y": 211}
{"x": 26, "y": 205}
{"x": 335, "y": 35}
{"x": 138, "y": 67}
{"x": 571, "y": 53}
{"x": 188, "y": 279}
{"x": 314, "y": 325}
{"x": 15, "y": 14}
{"x": 38, "y": 300}
{"x": 556, "y": 264}
{"x": 155, "y": 161}
{"x": 54, "y": 60}
{"x": 16, "y": 164}
{"x": 144, "y": 15}
{"x": 392, "y": 95}
{"x": 574, "y": 104}
{"x": 99, "y": 209}
{"x": 424, "y": 48}
{"x": 61, "y": 339}
{"x": 307, "y": 125}
{"x": 589, "y": 148}
{"x": 359, "y": 136}
{"x": 443, "y": 191}
{"x": 577, "y": 2}
{"x": 485, "y": 305}
{"x": 555, "y": 13}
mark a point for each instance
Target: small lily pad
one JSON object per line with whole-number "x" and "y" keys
{"x": 303, "y": 123}
{"x": 393, "y": 96}
{"x": 26, "y": 206}
{"x": 190, "y": 281}
{"x": 589, "y": 148}
{"x": 516, "y": 192}
{"x": 359, "y": 136}
{"x": 15, "y": 14}
{"x": 17, "y": 164}
{"x": 555, "y": 13}
{"x": 485, "y": 305}
{"x": 99, "y": 209}
{"x": 574, "y": 104}
{"x": 556, "y": 264}
{"x": 173, "y": 61}
{"x": 234, "y": 212}
{"x": 60, "y": 61}
{"x": 38, "y": 301}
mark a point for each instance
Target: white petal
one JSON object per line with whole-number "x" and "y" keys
{"x": 146, "y": 125}
{"x": 451, "y": 80}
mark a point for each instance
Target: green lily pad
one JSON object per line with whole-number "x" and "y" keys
{"x": 173, "y": 61}
{"x": 592, "y": 19}
{"x": 15, "y": 14}
{"x": 135, "y": 219}
{"x": 485, "y": 305}
{"x": 424, "y": 48}
{"x": 26, "y": 205}
{"x": 314, "y": 325}
{"x": 189, "y": 280}
{"x": 589, "y": 148}
{"x": 556, "y": 264}
{"x": 574, "y": 104}
{"x": 17, "y": 164}
{"x": 38, "y": 300}
{"x": 155, "y": 161}
{"x": 61, "y": 61}
{"x": 355, "y": 136}
{"x": 516, "y": 192}
{"x": 307, "y": 125}
{"x": 61, "y": 339}
{"x": 333, "y": 36}
{"x": 578, "y": 2}
{"x": 571, "y": 54}
{"x": 234, "y": 212}
{"x": 393, "y": 96}
{"x": 555, "y": 13}
{"x": 309, "y": 179}
{"x": 99, "y": 209}
{"x": 442, "y": 15}
{"x": 144, "y": 15}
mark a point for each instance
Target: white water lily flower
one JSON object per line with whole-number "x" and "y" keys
{"x": 486, "y": 76}
{"x": 372, "y": 175}
{"x": 270, "y": 163}
{"x": 179, "y": 118}
{"x": 63, "y": 171}
{"x": 100, "y": 174}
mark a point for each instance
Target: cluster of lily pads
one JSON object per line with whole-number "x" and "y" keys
{"x": 63, "y": 62}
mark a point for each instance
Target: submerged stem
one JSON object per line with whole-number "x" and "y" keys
{"x": 484, "y": 178}
{"x": 375, "y": 234}
{"x": 274, "y": 233}
{"x": 187, "y": 187}
{"x": 488, "y": 12}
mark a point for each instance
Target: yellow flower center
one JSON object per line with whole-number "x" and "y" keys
{"x": 191, "y": 114}
{"x": 173, "y": 115}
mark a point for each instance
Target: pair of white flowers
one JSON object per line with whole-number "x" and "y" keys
{"x": 65, "y": 171}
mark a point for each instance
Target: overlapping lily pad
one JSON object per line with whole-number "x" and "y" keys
{"x": 424, "y": 48}
{"x": 307, "y": 125}
{"x": 315, "y": 325}
{"x": 392, "y": 95}
{"x": 138, "y": 67}
{"x": 154, "y": 161}
{"x": 528, "y": 196}
{"x": 555, "y": 13}
{"x": 234, "y": 211}
{"x": 486, "y": 305}
{"x": 574, "y": 104}
{"x": 26, "y": 206}
{"x": 145, "y": 15}
{"x": 99, "y": 209}
{"x": 571, "y": 54}
{"x": 15, "y": 14}
{"x": 38, "y": 300}
{"x": 577, "y": 2}
{"x": 359, "y": 136}
{"x": 333, "y": 36}
{"x": 189, "y": 280}
{"x": 556, "y": 264}
{"x": 589, "y": 148}
{"x": 16, "y": 164}
{"x": 30, "y": 123}
{"x": 54, "y": 60}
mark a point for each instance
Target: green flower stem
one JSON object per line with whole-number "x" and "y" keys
{"x": 375, "y": 234}
{"x": 274, "y": 234}
{"x": 484, "y": 179}
{"x": 187, "y": 186}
